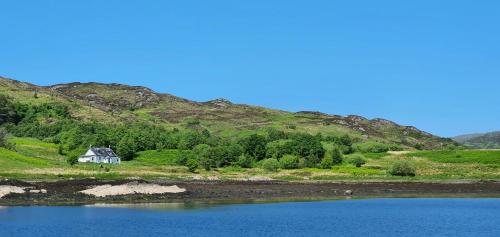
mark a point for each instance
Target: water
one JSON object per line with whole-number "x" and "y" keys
{"x": 371, "y": 217}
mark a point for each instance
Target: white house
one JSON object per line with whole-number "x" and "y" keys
{"x": 100, "y": 155}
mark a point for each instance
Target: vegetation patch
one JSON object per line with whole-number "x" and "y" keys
{"x": 491, "y": 157}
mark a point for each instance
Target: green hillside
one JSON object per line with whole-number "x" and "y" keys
{"x": 121, "y": 104}
{"x": 485, "y": 140}
{"x": 161, "y": 135}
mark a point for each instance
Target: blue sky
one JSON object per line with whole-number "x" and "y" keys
{"x": 431, "y": 64}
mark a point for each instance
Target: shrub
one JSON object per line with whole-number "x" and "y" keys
{"x": 336, "y": 156}
{"x": 402, "y": 168}
{"x": 184, "y": 156}
{"x": 192, "y": 165}
{"x": 72, "y": 160}
{"x": 270, "y": 165}
{"x": 357, "y": 160}
{"x": 72, "y": 157}
{"x": 3, "y": 138}
{"x": 245, "y": 161}
{"x": 289, "y": 162}
{"x": 60, "y": 149}
{"x": 302, "y": 163}
{"x": 326, "y": 163}
{"x": 205, "y": 162}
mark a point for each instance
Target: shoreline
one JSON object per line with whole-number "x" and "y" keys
{"x": 68, "y": 192}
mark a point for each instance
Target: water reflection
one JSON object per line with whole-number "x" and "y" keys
{"x": 157, "y": 206}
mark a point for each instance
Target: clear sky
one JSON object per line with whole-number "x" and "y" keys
{"x": 434, "y": 64}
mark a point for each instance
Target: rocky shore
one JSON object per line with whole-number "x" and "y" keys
{"x": 76, "y": 192}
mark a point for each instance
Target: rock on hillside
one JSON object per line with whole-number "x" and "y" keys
{"x": 118, "y": 102}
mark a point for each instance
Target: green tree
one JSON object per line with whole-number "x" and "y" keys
{"x": 7, "y": 111}
{"x": 336, "y": 156}
{"x": 126, "y": 148}
{"x": 72, "y": 157}
{"x": 308, "y": 147}
{"x": 190, "y": 139}
{"x": 245, "y": 161}
{"x": 326, "y": 162}
{"x": 60, "y": 149}
{"x": 192, "y": 165}
{"x": 289, "y": 162}
{"x": 270, "y": 165}
{"x": 255, "y": 146}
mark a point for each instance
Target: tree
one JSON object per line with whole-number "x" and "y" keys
{"x": 245, "y": 161}
{"x": 308, "y": 147}
{"x": 270, "y": 165}
{"x": 72, "y": 160}
{"x": 326, "y": 163}
{"x": 126, "y": 148}
{"x": 336, "y": 156}
{"x": 72, "y": 157}
{"x": 276, "y": 149}
{"x": 192, "y": 165}
{"x": 189, "y": 140}
{"x": 289, "y": 162}
{"x": 3, "y": 138}
{"x": 8, "y": 113}
{"x": 60, "y": 149}
{"x": 255, "y": 146}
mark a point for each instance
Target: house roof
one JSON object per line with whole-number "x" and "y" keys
{"x": 103, "y": 151}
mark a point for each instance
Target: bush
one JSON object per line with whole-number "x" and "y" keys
{"x": 205, "y": 162}
{"x": 336, "y": 156}
{"x": 372, "y": 147}
{"x": 72, "y": 157}
{"x": 289, "y": 162}
{"x": 3, "y": 138}
{"x": 402, "y": 168}
{"x": 245, "y": 161}
{"x": 357, "y": 160}
{"x": 192, "y": 165}
{"x": 270, "y": 165}
{"x": 326, "y": 163}
{"x": 184, "y": 156}
{"x": 72, "y": 160}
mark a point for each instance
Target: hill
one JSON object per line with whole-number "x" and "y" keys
{"x": 489, "y": 140}
{"x": 122, "y": 104}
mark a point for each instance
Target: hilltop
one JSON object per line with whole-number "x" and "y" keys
{"x": 122, "y": 104}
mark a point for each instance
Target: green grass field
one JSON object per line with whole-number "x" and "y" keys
{"x": 35, "y": 159}
{"x": 490, "y": 157}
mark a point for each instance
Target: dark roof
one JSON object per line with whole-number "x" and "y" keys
{"x": 103, "y": 151}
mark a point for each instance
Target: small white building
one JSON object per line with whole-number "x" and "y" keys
{"x": 100, "y": 155}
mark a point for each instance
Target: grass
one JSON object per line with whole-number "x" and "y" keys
{"x": 35, "y": 159}
{"x": 154, "y": 157}
{"x": 491, "y": 157}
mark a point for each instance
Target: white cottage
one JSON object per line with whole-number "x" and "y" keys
{"x": 100, "y": 155}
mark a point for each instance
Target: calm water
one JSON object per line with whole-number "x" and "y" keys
{"x": 373, "y": 217}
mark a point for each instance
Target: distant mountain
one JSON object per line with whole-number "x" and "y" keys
{"x": 466, "y": 137}
{"x": 117, "y": 103}
{"x": 480, "y": 140}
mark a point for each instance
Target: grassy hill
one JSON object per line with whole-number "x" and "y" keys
{"x": 485, "y": 140}
{"x": 161, "y": 135}
{"x": 122, "y": 104}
